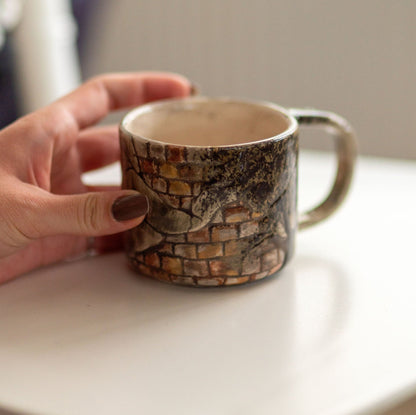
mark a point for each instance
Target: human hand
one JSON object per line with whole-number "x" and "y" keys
{"x": 47, "y": 214}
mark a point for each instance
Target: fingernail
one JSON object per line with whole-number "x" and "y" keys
{"x": 194, "y": 89}
{"x": 130, "y": 207}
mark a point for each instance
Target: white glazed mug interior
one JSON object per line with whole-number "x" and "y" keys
{"x": 208, "y": 122}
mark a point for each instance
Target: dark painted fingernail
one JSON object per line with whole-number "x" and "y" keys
{"x": 130, "y": 207}
{"x": 194, "y": 89}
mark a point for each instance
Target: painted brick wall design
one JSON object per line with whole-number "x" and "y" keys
{"x": 215, "y": 254}
{"x": 167, "y": 172}
{"x": 226, "y": 251}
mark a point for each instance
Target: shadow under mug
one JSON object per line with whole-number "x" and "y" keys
{"x": 221, "y": 178}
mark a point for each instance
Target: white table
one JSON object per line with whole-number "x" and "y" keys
{"x": 333, "y": 334}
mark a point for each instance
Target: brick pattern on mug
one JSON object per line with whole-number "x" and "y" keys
{"x": 212, "y": 256}
{"x": 168, "y": 172}
{"x": 219, "y": 253}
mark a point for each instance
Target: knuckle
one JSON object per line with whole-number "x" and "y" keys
{"x": 89, "y": 215}
{"x": 97, "y": 84}
{"x": 18, "y": 224}
{"x": 14, "y": 235}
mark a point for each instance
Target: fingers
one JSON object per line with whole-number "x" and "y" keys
{"x": 98, "y": 147}
{"x": 36, "y": 214}
{"x": 96, "y": 98}
{"x": 93, "y": 214}
{"x": 62, "y": 120}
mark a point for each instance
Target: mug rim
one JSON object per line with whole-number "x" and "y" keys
{"x": 146, "y": 108}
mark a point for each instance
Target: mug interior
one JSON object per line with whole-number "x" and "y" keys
{"x": 207, "y": 122}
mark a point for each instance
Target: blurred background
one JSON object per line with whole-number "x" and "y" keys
{"x": 356, "y": 58}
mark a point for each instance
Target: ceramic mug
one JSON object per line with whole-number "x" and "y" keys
{"x": 221, "y": 178}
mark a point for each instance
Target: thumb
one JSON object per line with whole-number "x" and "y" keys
{"x": 94, "y": 213}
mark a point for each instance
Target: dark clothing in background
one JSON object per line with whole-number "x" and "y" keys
{"x": 8, "y": 96}
{"x": 82, "y": 10}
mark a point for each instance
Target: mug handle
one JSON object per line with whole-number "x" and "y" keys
{"x": 346, "y": 149}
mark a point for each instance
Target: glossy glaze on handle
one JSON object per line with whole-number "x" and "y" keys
{"x": 346, "y": 148}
